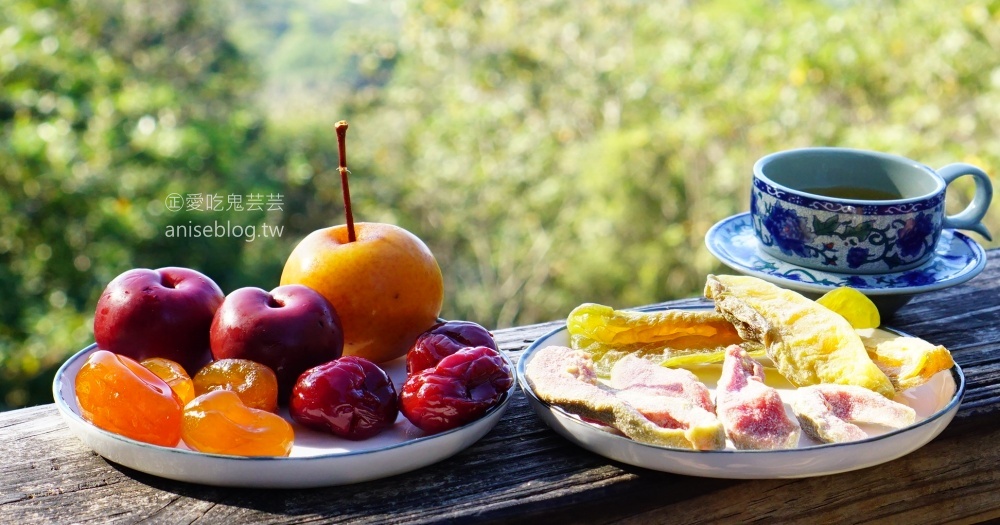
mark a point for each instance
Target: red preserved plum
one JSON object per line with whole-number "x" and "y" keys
{"x": 350, "y": 397}
{"x": 444, "y": 339}
{"x": 460, "y": 389}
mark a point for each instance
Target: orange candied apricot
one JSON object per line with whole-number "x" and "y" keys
{"x": 174, "y": 374}
{"x": 256, "y": 384}
{"x": 118, "y": 394}
{"x": 218, "y": 422}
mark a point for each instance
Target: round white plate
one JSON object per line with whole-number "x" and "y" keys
{"x": 317, "y": 459}
{"x": 935, "y": 402}
{"x": 956, "y": 259}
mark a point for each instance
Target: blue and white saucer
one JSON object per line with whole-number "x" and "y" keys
{"x": 956, "y": 259}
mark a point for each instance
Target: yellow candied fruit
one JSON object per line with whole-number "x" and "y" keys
{"x": 852, "y": 305}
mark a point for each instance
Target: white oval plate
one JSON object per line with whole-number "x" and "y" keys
{"x": 317, "y": 459}
{"x": 936, "y": 403}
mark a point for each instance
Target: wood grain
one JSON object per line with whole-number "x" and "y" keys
{"x": 524, "y": 471}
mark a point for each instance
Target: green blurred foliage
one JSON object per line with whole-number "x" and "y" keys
{"x": 315, "y": 54}
{"x": 562, "y": 152}
{"x": 550, "y": 152}
{"x": 106, "y": 108}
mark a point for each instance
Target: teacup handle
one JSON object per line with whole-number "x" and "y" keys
{"x": 971, "y": 217}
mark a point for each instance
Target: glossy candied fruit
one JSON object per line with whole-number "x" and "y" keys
{"x": 350, "y": 397}
{"x": 219, "y": 422}
{"x": 851, "y": 304}
{"x": 173, "y": 374}
{"x": 459, "y": 390}
{"x": 119, "y": 395}
{"x": 256, "y": 384}
{"x": 444, "y": 339}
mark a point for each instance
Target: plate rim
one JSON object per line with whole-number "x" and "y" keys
{"x": 960, "y": 278}
{"x": 68, "y": 412}
{"x": 957, "y": 374}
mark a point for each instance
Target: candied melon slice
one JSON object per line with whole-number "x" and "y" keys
{"x": 809, "y": 343}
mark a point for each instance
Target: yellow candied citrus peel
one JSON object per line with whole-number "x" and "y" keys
{"x": 852, "y": 305}
{"x": 609, "y": 335}
{"x": 604, "y": 324}
{"x": 708, "y": 357}
{"x": 672, "y": 355}
{"x": 907, "y": 361}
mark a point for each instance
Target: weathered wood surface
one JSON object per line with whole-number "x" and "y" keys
{"x": 522, "y": 470}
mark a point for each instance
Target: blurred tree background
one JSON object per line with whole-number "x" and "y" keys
{"x": 549, "y": 153}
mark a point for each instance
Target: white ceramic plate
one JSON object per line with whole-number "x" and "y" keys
{"x": 935, "y": 403}
{"x": 317, "y": 459}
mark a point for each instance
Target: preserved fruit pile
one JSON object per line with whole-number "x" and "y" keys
{"x": 230, "y": 405}
{"x": 266, "y": 349}
{"x": 154, "y": 402}
{"x": 245, "y": 353}
{"x": 833, "y": 375}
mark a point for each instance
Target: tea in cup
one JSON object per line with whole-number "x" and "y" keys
{"x": 856, "y": 211}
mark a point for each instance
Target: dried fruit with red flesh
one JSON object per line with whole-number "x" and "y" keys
{"x": 634, "y": 373}
{"x": 567, "y": 378}
{"x": 752, "y": 412}
{"x": 670, "y": 398}
{"x": 831, "y": 413}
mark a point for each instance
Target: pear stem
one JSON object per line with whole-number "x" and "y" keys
{"x": 341, "y": 128}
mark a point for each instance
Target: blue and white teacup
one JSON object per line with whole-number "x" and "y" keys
{"x": 856, "y": 211}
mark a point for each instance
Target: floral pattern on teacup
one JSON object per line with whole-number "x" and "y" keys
{"x": 889, "y": 238}
{"x": 789, "y": 231}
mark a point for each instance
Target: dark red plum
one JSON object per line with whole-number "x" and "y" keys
{"x": 165, "y": 313}
{"x": 290, "y": 329}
